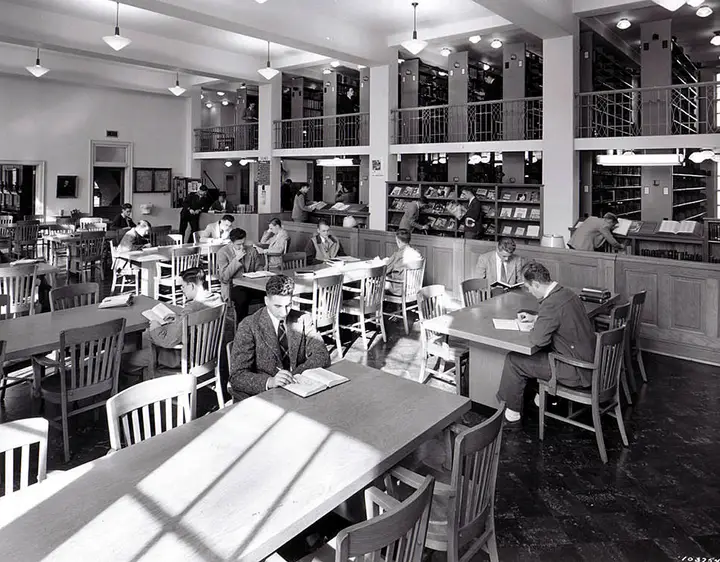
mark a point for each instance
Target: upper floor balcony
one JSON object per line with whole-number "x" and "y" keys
{"x": 349, "y": 130}
{"x": 227, "y": 138}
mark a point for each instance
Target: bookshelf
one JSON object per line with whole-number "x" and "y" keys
{"x": 510, "y": 210}
{"x": 685, "y": 102}
{"x": 616, "y": 190}
{"x": 690, "y": 193}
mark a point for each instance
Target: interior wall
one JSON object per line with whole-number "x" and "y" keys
{"x": 54, "y": 122}
{"x": 296, "y": 170}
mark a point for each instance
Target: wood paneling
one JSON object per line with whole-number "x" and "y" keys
{"x": 686, "y": 303}
{"x": 638, "y": 281}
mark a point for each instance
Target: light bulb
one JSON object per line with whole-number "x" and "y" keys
{"x": 327, "y": 71}
{"x": 623, "y": 24}
{"x": 486, "y": 67}
{"x": 446, "y": 51}
{"x": 715, "y": 40}
{"x": 208, "y": 105}
{"x": 496, "y": 44}
{"x": 228, "y": 164}
{"x": 704, "y": 11}
{"x": 475, "y": 39}
{"x": 225, "y": 102}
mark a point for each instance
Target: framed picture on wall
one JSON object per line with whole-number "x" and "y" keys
{"x": 152, "y": 180}
{"x": 66, "y": 187}
{"x": 161, "y": 180}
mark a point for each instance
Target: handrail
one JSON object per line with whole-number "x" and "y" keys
{"x": 649, "y": 89}
{"x": 320, "y": 117}
{"x": 469, "y": 104}
{"x": 343, "y": 130}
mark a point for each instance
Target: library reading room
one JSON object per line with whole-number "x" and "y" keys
{"x": 380, "y": 280}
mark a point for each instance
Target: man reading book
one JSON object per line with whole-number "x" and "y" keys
{"x": 323, "y": 245}
{"x": 502, "y": 265}
{"x": 274, "y": 344}
{"x": 593, "y": 233}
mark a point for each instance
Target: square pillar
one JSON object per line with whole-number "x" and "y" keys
{"x": 268, "y": 170}
{"x": 193, "y": 120}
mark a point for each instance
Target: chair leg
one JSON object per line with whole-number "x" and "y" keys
{"x": 621, "y": 424}
{"x": 597, "y": 425}
{"x": 3, "y": 380}
{"x": 338, "y": 341}
{"x": 626, "y": 388}
{"x": 405, "y": 318}
{"x": 66, "y": 433}
{"x": 381, "y": 321}
{"x": 492, "y": 546}
{"x": 541, "y": 406}
{"x": 630, "y": 369}
{"x": 218, "y": 391}
{"x": 362, "y": 331}
{"x": 113, "y": 286}
{"x": 423, "y": 368}
{"x": 641, "y": 364}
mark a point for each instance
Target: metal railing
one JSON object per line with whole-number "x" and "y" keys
{"x": 666, "y": 110}
{"x": 351, "y": 129}
{"x": 501, "y": 120}
{"x": 229, "y": 137}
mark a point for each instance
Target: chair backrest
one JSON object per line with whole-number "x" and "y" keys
{"x": 37, "y": 218}
{"x": 26, "y": 232}
{"x": 432, "y": 302}
{"x": 474, "y": 291}
{"x": 184, "y": 258}
{"x": 64, "y": 220}
{"x": 18, "y": 283}
{"x": 150, "y": 408}
{"x": 413, "y": 275}
{"x": 637, "y": 301}
{"x": 294, "y": 260}
{"x": 396, "y": 535}
{"x": 4, "y": 301}
{"x": 160, "y": 236}
{"x": 372, "y": 289}
{"x": 5, "y": 221}
{"x": 474, "y": 472}
{"x": 22, "y": 434}
{"x": 175, "y": 239}
{"x": 72, "y": 296}
{"x": 620, "y": 315}
{"x": 609, "y": 349}
{"x": 89, "y": 220}
{"x": 89, "y": 247}
{"x": 212, "y": 266}
{"x": 90, "y": 357}
{"x": 327, "y": 300}
{"x": 202, "y": 340}
{"x": 196, "y": 237}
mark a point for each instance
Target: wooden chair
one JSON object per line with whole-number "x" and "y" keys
{"x": 213, "y": 272}
{"x": 294, "y": 260}
{"x": 166, "y": 274}
{"x": 619, "y": 317}
{"x": 409, "y": 284}
{"x": 22, "y": 434}
{"x": 637, "y": 302}
{"x": 86, "y": 255}
{"x": 271, "y": 263}
{"x": 474, "y": 291}
{"x": 92, "y": 223}
{"x": 72, "y": 296}
{"x": 5, "y": 232}
{"x": 160, "y": 236}
{"x": 601, "y": 397}
{"x": 202, "y": 343}
{"x": 433, "y": 302}
{"x": 139, "y": 409}
{"x": 88, "y": 366}
{"x": 462, "y": 517}
{"x": 175, "y": 239}
{"x": 33, "y": 217}
{"x": 19, "y": 283}
{"x": 367, "y": 306}
{"x": 25, "y": 239}
{"x": 123, "y": 272}
{"x": 394, "y": 531}
{"x": 228, "y": 352}
{"x": 196, "y": 237}
{"x": 326, "y": 302}
{"x": 4, "y": 302}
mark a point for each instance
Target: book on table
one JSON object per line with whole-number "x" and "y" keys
{"x": 623, "y": 227}
{"x": 117, "y": 301}
{"x": 313, "y": 381}
{"x": 679, "y": 227}
{"x": 505, "y": 286}
{"x": 258, "y": 274}
{"x": 160, "y": 314}
{"x": 514, "y": 325}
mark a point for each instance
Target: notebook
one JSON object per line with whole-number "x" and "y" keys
{"x": 504, "y": 324}
{"x": 160, "y": 314}
{"x": 117, "y": 301}
{"x": 26, "y": 261}
{"x": 258, "y": 274}
{"x": 313, "y": 381}
{"x": 506, "y": 286}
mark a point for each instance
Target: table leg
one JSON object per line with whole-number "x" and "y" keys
{"x": 36, "y": 402}
{"x": 486, "y": 365}
{"x": 147, "y": 280}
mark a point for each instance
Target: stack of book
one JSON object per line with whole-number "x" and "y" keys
{"x": 595, "y": 294}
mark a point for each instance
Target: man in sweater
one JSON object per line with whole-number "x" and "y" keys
{"x": 411, "y": 216}
{"x": 323, "y": 246}
{"x": 233, "y": 260}
{"x": 560, "y": 326}
{"x": 300, "y": 210}
{"x": 124, "y": 219}
{"x": 592, "y": 234}
{"x": 136, "y": 238}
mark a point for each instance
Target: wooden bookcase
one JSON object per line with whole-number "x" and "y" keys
{"x": 509, "y": 209}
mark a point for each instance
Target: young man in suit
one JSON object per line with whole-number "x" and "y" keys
{"x": 411, "y": 216}
{"x": 219, "y": 230}
{"x": 193, "y": 205}
{"x": 136, "y": 238}
{"x": 501, "y": 265}
{"x": 233, "y": 260}
{"x": 473, "y": 218}
{"x": 274, "y": 344}
{"x": 323, "y": 245}
{"x": 592, "y": 234}
{"x": 560, "y": 326}
{"x": 276, "y": 238}
{"x": 124, "y": 219}
{"x": 222, "y": 205}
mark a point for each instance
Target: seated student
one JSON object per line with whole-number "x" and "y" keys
{"x": 233, "y": 260}
{"x": 124, "y": 219}
{"x": 561, "y": 326}
{"x": 323, "y": 245}
{"x": 274, "y": 344}
{"x": 592, "y": 234}
{"x": 217, "y": 230}
{"x": 276, "y": 238}
{"x": 166, "y": 337}
{"x": 397, "y": 263}
{"x": 501, "y": 264}
{"x": 136, "y": 238}
{"x": 222, "y": 205}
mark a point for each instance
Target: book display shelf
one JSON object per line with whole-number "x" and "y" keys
{"x": 510, "y": 210}
{"x": 712, "y": 240}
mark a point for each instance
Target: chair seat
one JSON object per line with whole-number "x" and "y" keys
{"x": 448, "y": 352}
{"x": 397, "y": 299}
{"x": 580, "y": 395}
{"x": 352, "y": 306}
{"x": 326, "y": 553}
{"x": 51, "y": 388}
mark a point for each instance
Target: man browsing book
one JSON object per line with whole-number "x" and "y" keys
{"x": 592, "y": 234}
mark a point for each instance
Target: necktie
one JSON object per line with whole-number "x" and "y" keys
{"x": 283, "y": 342}
{"x": 503, "y": 272}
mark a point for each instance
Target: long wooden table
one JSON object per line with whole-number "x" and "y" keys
{"x": 233, "y": 485}
{"x": 489, "y": 346}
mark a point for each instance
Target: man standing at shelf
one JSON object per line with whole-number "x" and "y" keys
{"x": 593, "y": 233}
{"x": 472, "y": 220}
{"x": 410, "y": 218}
{"x": 300, "y": 212}
{"x": 194, "y": 204}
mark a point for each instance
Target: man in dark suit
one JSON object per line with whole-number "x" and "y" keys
{"x": 124, "y": 219}
{"x": 194, "y": 204}
{"x": 472, "y": 220}
{"x": 274, "y": 344}
{"x": 560, "y": 326}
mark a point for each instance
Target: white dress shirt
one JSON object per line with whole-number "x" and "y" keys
{"x": 550, "y": 289}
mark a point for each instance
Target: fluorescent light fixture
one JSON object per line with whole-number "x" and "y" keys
{"x": 225, "y": 102}
{"x": 442, "y": 73}
{"x": 695, "y": 3}
{"x": 486, "y": 66}
{"x": 715, "y": 39}
{"x": 177, "y": 89}
{"x": 702, "y": 155}
{"x": 335, "y": 162}
{"x": 671, "y": 5}
{"x": 632, "y": 159}
{"x": 335, "y": 63}
{"x": 38, "y": 70}
{"x": 446, "y": 51}
{"x": 414, "y": 45}
{"x": 327, "y": 71}
{"x": 475, "y": 39}
{"x": 117, "y": 41}
{"x": 704, "y": 11}
{"x": 246, "y": 161}
{"x": 474, "y": 159}
{"x": 268, "y": 72}
{"x": 623, "y": 24}
{"x": 400, "y": 61}
{"x": 228, "y": 164}
{"x": 496, "y": 43}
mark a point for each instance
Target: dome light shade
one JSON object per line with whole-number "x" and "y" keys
{"x": 117, "y": 41}
{"x": 335, "y": 63}
{"x": 177, "y": 89}
{"x": 716, "y": 39}
{"x": 704, "y": 12}
{"x": 486, "y": 67}
{"x": 475, "y": 39}
{"x": 446, "y": 51}
{"x": 268, "y": 72}
{"x": 414, "y": 45}
{"x": 228, "y": 164}
{"x": 38, "y": 70}
{"x": 623, "y": 24}
{"x": 496, "y": 44}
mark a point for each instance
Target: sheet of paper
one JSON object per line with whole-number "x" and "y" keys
{"x": 504, "y": 324}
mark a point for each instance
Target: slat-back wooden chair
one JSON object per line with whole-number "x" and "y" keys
{"x": 5, "y": 232}
{"x": 637, "y": 302}
{"x": 618, "y": 318}
{"x": 213, "y": 272}
{"x": 72, "y": 296}
{"x": 474, "y": 291}
{"x": 123, "y": 272}
{"x": 19, "y": 283}
{"x": 273, "y": 260}
{"x": 88, "y": 367}
{"x": 25, "y": 239}
{"x": 367, "y": 306}
{"x": 325, "y": 306}
{"x": 17, "y": 437}
{"x": 150, "y": 408}
{"x": 86, "y": 254}
{"x": 433, "y": 302}
{"x": 175, "y": 239}
{"x": 409, "y": 284}
{"x": 160, "y": 236}
{"x": 202, "y": 343}
{"x": 294, "y": 260}
{"x": 92, "y": 223}
{"x": 462, "y": 517}
{"x": 166, "y": 274}
{"x": 602, "y": 397}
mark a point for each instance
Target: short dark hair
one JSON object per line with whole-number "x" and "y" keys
{"x": 237, "y": 234}
{"x": 280, "y": 285}
{"x": 143, "y": 222}
{"x": 322, "y": 222}
{"x": 228, "y": 218}
{"x": 276, "y": 222}
{"x": 126, "y": 206}
{"x": 535, "y": 271}
{"x": 610, "y": 217}
{"x": 222, "y": 194}
{"x": 403, "y": 235}
{"x": 506, "y": 245}
{"x": 194, "y": 275}
{"x": 203, "y": 187}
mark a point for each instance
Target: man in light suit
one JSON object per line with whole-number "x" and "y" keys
{"x": 274, "y": 344}
{"x": 501, "y": 265}
{"x": 217, "y": 230}
{"x": 277, "y": 239}
{"x": 233, "y": 260}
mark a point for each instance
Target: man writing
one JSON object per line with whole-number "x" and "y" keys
{"x": 124, "y": 219}
{"x": 274, "y": 344}
{"x": 233, "y": 260}
{"x": 193, "y": 205}
{"x": 593, "y": 233}
{"x": 502, "y": 265}
{"x": 323, "y": 246}
{"x": 136, "y": 238}
{"x": 219, "y": 230}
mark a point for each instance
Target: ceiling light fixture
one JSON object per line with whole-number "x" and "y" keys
{"x": 225, "y": 102}
{"x": 475, "y": 39}
{"x": 117, "y": 41}
{"x": 442, "y": 73}
{"x": 246, "y": 161}
{"x": 671, "y": 5}
{"x": 623, "y": 24}
{"x": 474, "y": 159}
{"x": 335, "y": 63}
{"x": 715, "y": 39}
{"x": 228, "y": 164}
{"x": 361, "y": 66}
{"x": 486, "y": 67}
{"x": 446, "y": 51}
{"x": 208, "y": 105}
{"x": 336, "y": 162}
{"x": 177, "y": 89}
{"x": 695, "y": 3}
{"x": 268, "y": 72}
{"x": 701, "y": 155}
{"x": 704, "y": 12}
{"x": 400, "y": 61}
{"x": 414, "y": 45}
{"x": 260, "y": 1}
{"x": 632, "y": 159}
{"x": 221, "y": 94}
{"x": 496, "y": 43}
{"x": 38, "y": 70}
{"x": 327, "y": 71}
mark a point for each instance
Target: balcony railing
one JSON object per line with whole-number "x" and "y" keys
{"x": 667, "y": 110}
{"x": 229, "y": 137}
{"x": 351, "y": 129}
{"x": 502, "y": 120}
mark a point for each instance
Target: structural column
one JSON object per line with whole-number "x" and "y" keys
{"x": 560, "y": 164}
{"x": 268, "y": 168}
{"x": 193, "y": 120}
{"x": 364, "y": 184}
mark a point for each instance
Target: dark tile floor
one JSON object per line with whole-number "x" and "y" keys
{"x": 658, "y": 500}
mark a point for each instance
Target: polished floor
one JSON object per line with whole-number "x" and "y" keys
{"x": 658, "y": 500}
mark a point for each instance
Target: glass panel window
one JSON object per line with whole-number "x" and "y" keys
{"x": 110, "y": 155}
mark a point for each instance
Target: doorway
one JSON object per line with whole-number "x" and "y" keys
{"x": 108, "y": 191}
{"x": 17, "y": 190}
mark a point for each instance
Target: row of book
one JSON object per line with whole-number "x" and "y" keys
{"x": 533, "y": 231}
{"x": 447, "y": 192}
{"x": 520, "y": 213}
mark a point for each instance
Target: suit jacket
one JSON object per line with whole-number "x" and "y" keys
{"x": 316, "y": 253}
{"x": 411, "y": 216}
{"x": 229, "y": 267}
{"x": 217, "y": 206}
{"x": 487, "y": 268}
{"x": 195, "y": 203}
{"x": 213, "y": 231}
{"x": 473, "y": 218}
{"x": 256, "y": 352}
{"x": 563, "y": 327}
{"x": 122, "y": 222}
{"x": 591, "y": 235}
{"x": 277, "y": 245}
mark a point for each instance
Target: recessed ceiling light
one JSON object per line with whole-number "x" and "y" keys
{"x": 695, "y": 3}
{"x": 208, "y": 105}
{"x": 221, "y": 94}
{"x": 704, "y": 11}
{"x": 228, "y": 163}
{"x": 446, "y": 51}
{"x": 623, "y": 24}
{"x": 486, "y": 66}
{"x": 260, "y": 1}
{"x": 335, "y": 63}
{"x": 716, "y": 39}
{"x": 475, "y": 39}
{"x": 225, "y": 102}
{"x": 400, "y": 61}
{"x": 361, "y": 66}
{"x": 496, "y": 43}
{"x": 327, "y": 71}
{"x": 442, "y": 73}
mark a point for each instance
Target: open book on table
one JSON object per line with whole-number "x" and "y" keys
{"x": 505, "y": 286}
{"x": 313, "y": 381}
{"x": 258, "y": 274}
{"x": 117, "y": 301}
{"x": 515, "y": 325}
{"x": 160, "y": 314}
{"x": 678, "y": 227}
{"x": 623, "y": 227}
